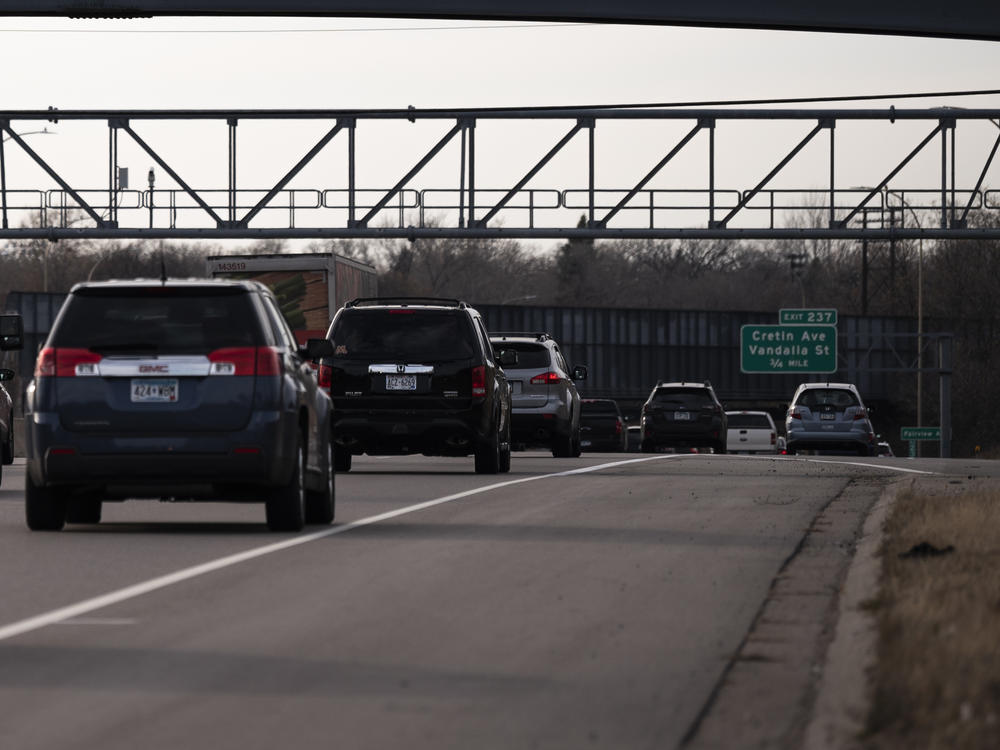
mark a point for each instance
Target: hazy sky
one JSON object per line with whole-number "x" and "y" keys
{"x": 379, "y": 63}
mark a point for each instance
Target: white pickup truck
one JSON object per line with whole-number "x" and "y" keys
{"x": 751, "y": 432}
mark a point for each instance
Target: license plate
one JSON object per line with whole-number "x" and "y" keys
{"x": 401, "y": 382}
{"x": 584, "y": 443}
{"x": 682, "y": 416}
{"x": 827, "y": 416}
{"x": 149, "y": 391}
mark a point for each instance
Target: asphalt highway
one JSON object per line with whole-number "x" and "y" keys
{"x": 573, "y": 603}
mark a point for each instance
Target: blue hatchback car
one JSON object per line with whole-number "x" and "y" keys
{"x": 176, "y": 390}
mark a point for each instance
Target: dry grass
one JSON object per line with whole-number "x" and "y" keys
{"x": 937, "y": 683}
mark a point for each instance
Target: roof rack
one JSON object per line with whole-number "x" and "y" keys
{"x": 538, "y": 336}
{"x": 403, "y": 301}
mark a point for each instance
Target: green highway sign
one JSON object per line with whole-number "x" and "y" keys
{"x": 803, "y": 317}
{"x": 920, "y": 433}
{"x": 769, "y": 349}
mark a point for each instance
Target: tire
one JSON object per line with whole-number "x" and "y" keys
{"x": 577, "y": 448}
{"x": 44, "y": 507}
{"x": 8, "y": 446}
{"x": 505, "y": 451}
{"x": 648, "y": 446}
{"x": 320, "y": 503}
{"x": 488, "y": 456}
{"x": 562, "y": 446}
{"x": 84, "y": 510}
{"x": 285, "y": 506}
{"x": 341, "y": 460}
{"x": 719, "y": 448}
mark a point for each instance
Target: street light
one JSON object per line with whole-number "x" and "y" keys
{"x": 920, "y": 307}
{"x": 152, "y": 181}
{"x": 3, "y": 167}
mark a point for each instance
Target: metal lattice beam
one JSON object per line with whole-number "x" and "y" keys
{"x": 37, "y": 193}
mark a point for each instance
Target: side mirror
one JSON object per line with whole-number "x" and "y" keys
{"x": 11, "y": 332}
{"x": 319, "y": 348}
{"x": 508, "y": 358}
{"x": 579, "y": 372}
{"x": 6, "y": 374}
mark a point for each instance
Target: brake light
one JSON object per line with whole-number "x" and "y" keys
{"x": 268, "y": 361}
{"x": 245, "y": 360}
{"x": 66, "y": 363}
{"x": 325, "y": 377}
{"x": 479, "y": 381}
{"x": 860, "y": 414}
{"x": 618, "y": 427}
{"x": 774, "y": 439}
{"x": 548, "y": 378}
{"x": 45, "y": 365}
{"x": 796, "y": 415}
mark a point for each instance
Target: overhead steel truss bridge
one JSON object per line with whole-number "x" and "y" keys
{"x": 689, "y": 173}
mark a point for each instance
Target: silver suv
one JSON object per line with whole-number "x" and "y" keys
{"x": 829, "y": 416}
{"x": 545, "y": 403}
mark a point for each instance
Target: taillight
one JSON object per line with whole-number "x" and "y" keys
{"x": 325, "y": 377}
{"x": 774, "y": 439}
{"x": 234, "y": 360}
{"x": 66, "y": 363}
{"x": 860, "y": 414}
{"x": 268, "y": 361}
{"x": 245, "y": 360}
{"x": 796, "y": 415}
{"x": 45, "y": 365}
{"x": 618, "y": 427}
{"x": 548, "y": 378}
{"x": 479, "y": 381}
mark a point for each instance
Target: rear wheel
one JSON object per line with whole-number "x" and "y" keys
{"x": 488, "y": 456}
{"x": 8, "y": 446}
{"x": 648, "y": 446}
{"x": 44, "y": 507}
{"x": 320, "y": 503}
{"x": 341, "y": 459}
{"x": 285, "y": 506}
{"x": 505, "y": 451}
{"x": 84, "y": 510}
{"x": 562, "y": 446}
{"x": 577, "y": 448}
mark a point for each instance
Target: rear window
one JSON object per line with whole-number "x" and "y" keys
{"x": 745, "y": 421}
{"x": 838, "y": 398}
{"x": 687, "y": 398}
{"x": 599, "y": 408}
{"x": 159, "y": 320}
{"x": 529, "y": 356}
{"x": 416, "y": 336}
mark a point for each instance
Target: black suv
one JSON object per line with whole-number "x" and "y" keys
{"x": 680, "y": 415}
{"x": 417, "y": 375}
{"x": 11, "y": 338}
{"x": 186, "y": 390}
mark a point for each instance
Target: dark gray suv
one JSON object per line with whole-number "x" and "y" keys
{"x": 546, "y": 405}
{"x": 11, "y": 338}
{"x": 186, "y": 390}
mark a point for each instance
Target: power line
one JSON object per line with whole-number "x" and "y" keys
{"x": 484, "y": 27}
{"x": 741, "y": 102}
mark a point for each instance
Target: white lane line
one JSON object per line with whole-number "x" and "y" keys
{"x": 802, "y": 459}
{"x": 139, "y": 589}
{"x": 99, "y": 621}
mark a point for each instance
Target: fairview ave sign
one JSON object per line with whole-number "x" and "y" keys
{"x": 776, "y": 349}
